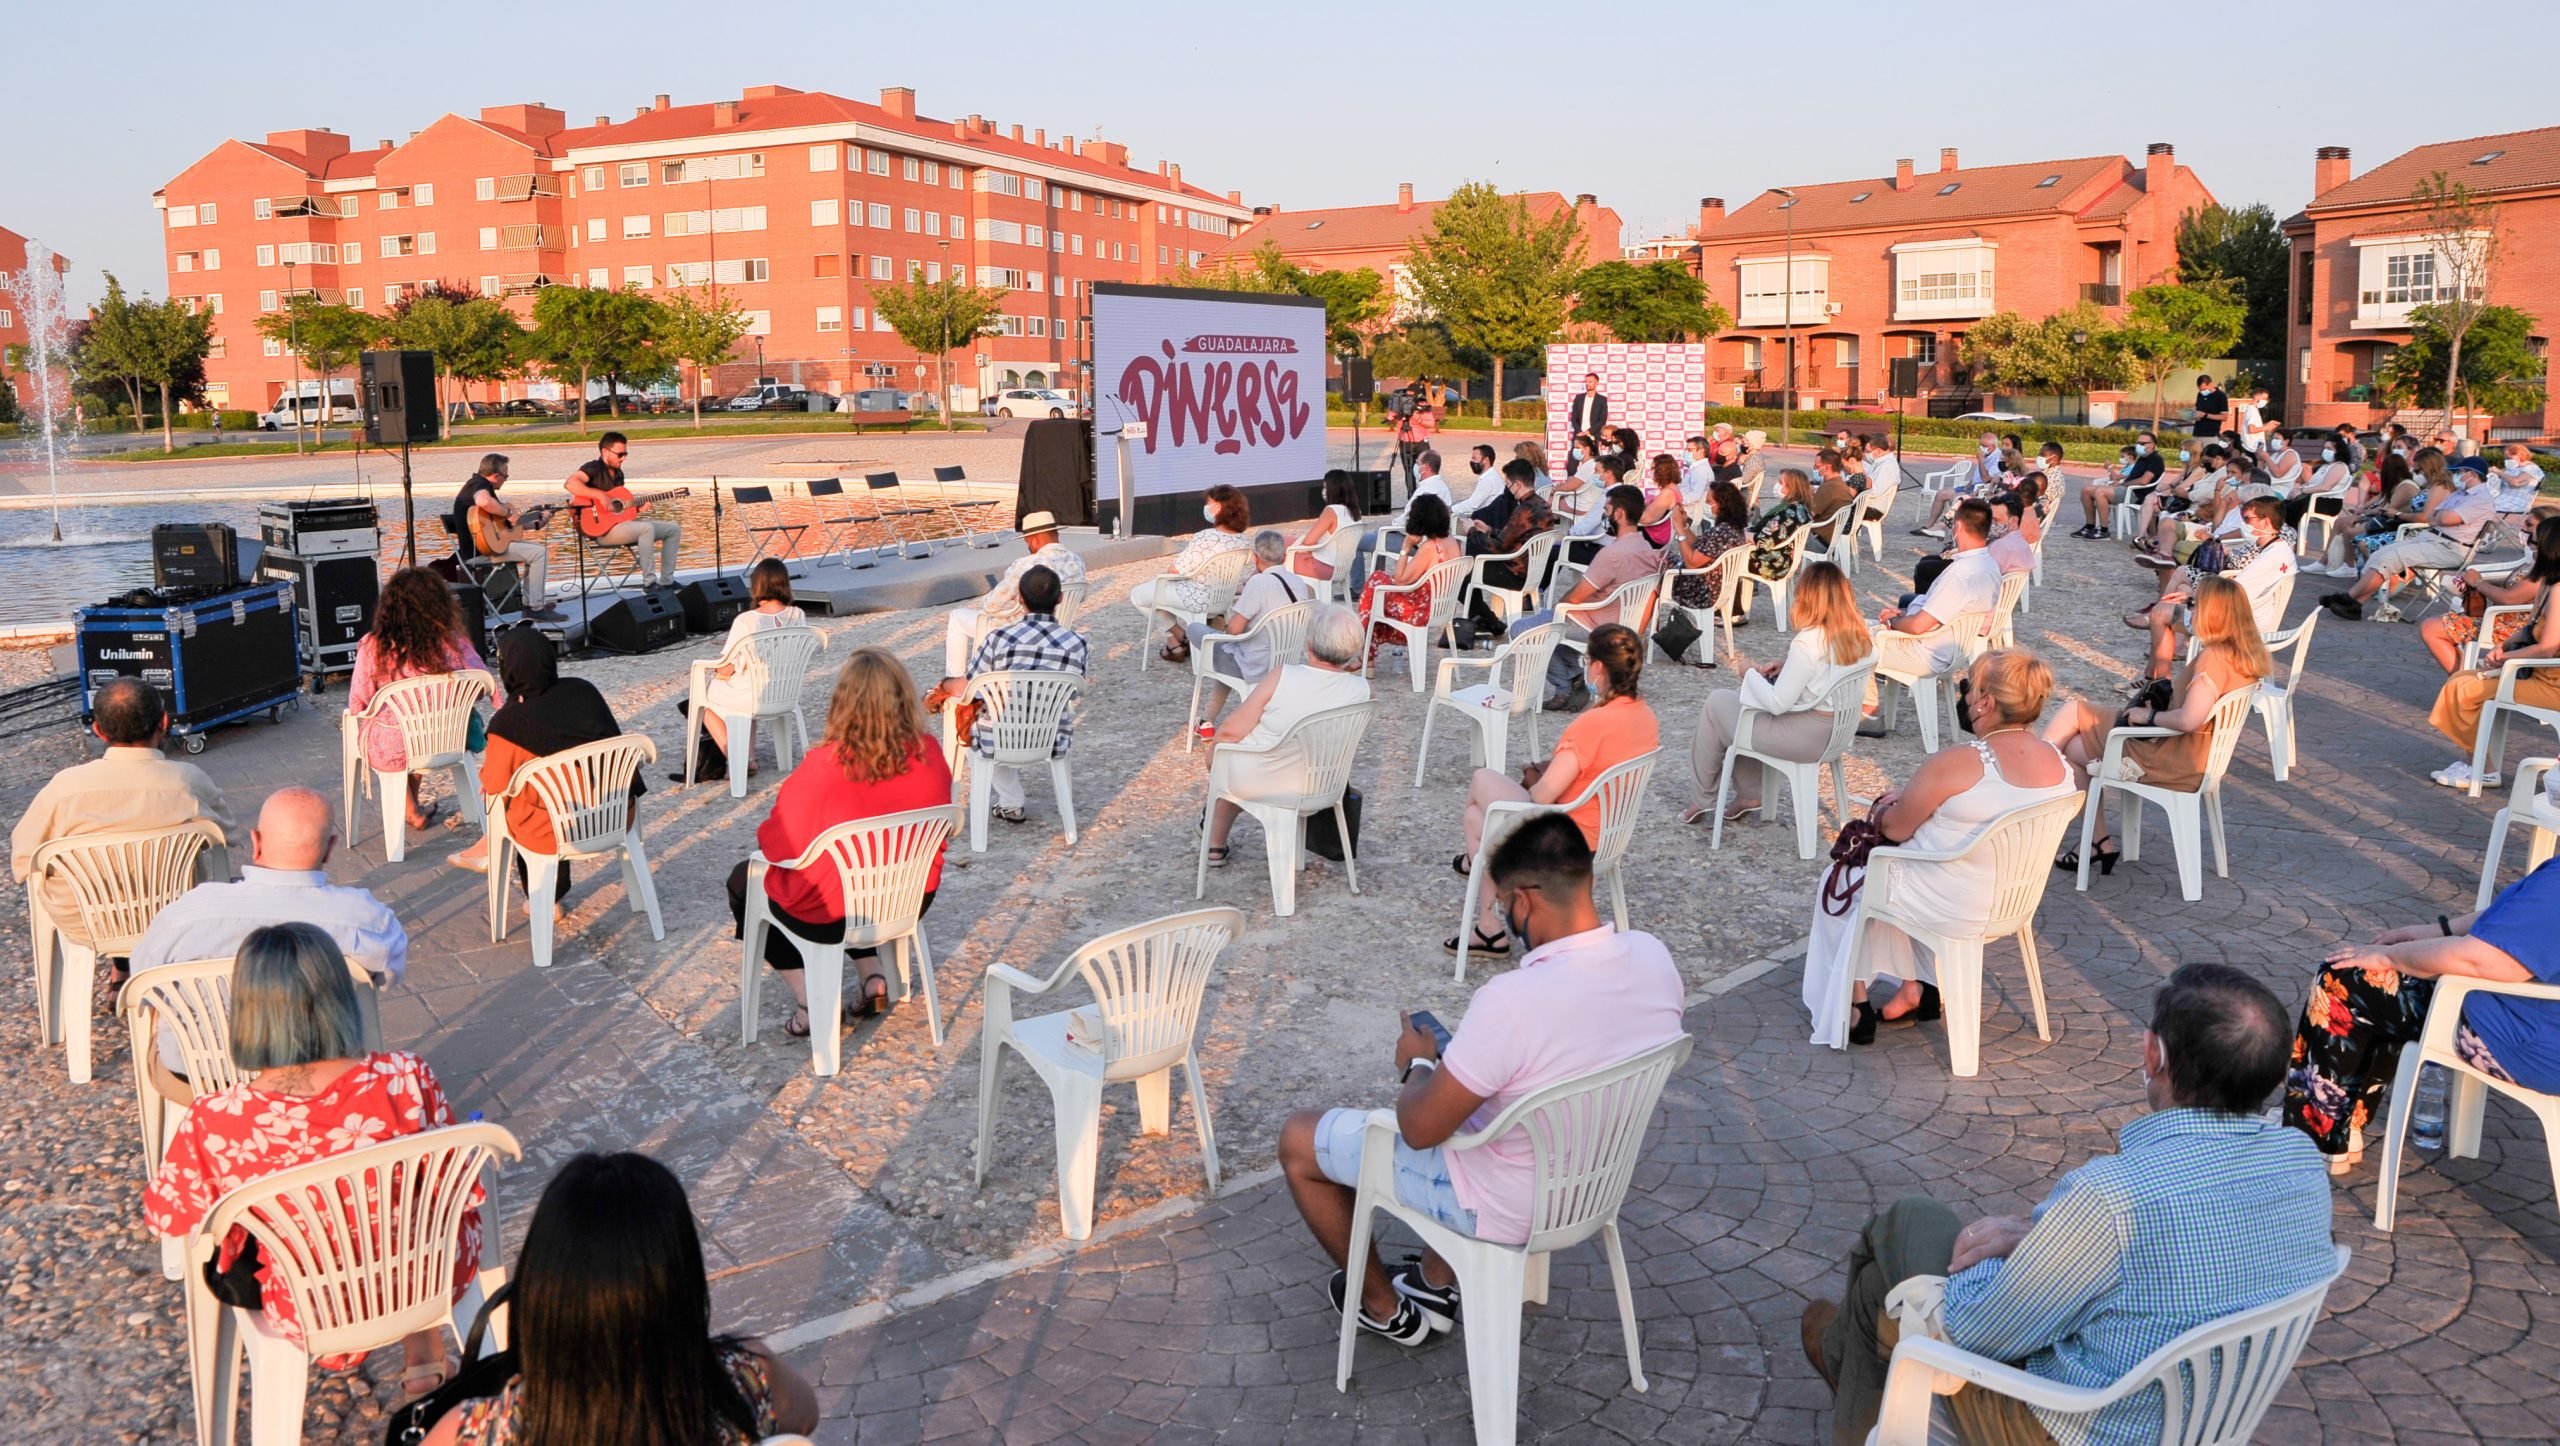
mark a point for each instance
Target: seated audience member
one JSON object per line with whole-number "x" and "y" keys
{"x": 2231, "y": 656}
{"x": 1984, "y": 478}
{"x": 1039, "y": 643}
{"x": 2282, "y": 464}
{"x": 1919, "y": 636}
{"x": 1952, "y": 796}
{"x": 874, "y": 759}
{"x": 2207, "y": 1210}
{"x": 2048, "y": 466}
{"x": 1427, "y": 544}
{"x": 2014, "y": 529}
{"x": 1704, "y": 548}
{"x": 1883, "y": 466}
{"x": 1585, "y": 997}
{"x": 2098, "y": 495}
{"x": 2445, "y": 634}
{"x": 417, "y": 632}
{"x": 1774, "y": 528}
{"x": 309, "y": 1090}
{"x": 1665, "y": 501}
{"x": 130, "y": 788}
{"x": 1590, "y": 527}
{"x": 1241, "y": 755}
{"x": 1829, "y": 634}
{"x": 1002, "y": 604}
{"x": 2259, "y": 558}
{"x": 2518, "y": 480}
{"x": 1527, "y": 516}
{"x": 610, "y": 1321}
{"x": 1341, "y": 511}
{"x": 540, "y": 713}
{"x": 2370, "y": 1000}
{"x": 285, "y": 881}
{"x": 2464, "y": 696}
{"x": 1616, "y": 728}
{"x": 1485, "y": 488}
{"x": 1831, "y": 490}
{"x": 2454, "y": 524}
{"x": 1697, "y": 472}
{"x": 1391, "y": 538}
{"x": 1188, "y": 589}
{"x": 2190, "y": 492}
{"x": 1627, "y": 558}
{"x": 1750, "y": 460}
{"x": 769, "y": 586}
{"x": 2327, "y": 482}
{"x": 1270, "y": 588}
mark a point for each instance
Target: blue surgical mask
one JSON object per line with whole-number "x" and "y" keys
{"x": 2140, "y": 448}
{"x": 2182, "y": 454}
{"x": 2328, "y": 454}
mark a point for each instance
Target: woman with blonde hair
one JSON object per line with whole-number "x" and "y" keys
{"x": 874, "y": 760}
{"x": 2230, "y": 656}
{"x": 2465, "y": 694}
{"x": 1534, "y": 453}
{"x": 1829, "y": 635}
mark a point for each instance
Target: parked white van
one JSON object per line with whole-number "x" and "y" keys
{"x": 342, "y": 411}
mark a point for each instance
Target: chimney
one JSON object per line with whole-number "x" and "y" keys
{"x": 724, "y": 114}
{"x": 1260, "y": 212}
{"x": 1173, "y": 173}
{"x": 1404, "y": 196}
{"x": 1902, "y": 174}
{"x": 1710, "y": 211}
{"x": 899, "y": 101}
{"x": 1040, "y": 138}
{"x": 534, "y": 119}
{"x": 661, "y": 102}
{"x": 1585, "y": 201}
{"x": 639, "y": 111}
{"x": 384, "y": 144}
{"x": 1946, "y": 159}
{"x": 604, "y": 120}
{"x": 1160, "y": 168}
{"x": 2159, "y": 161}
{"x": 2329, "y": 170}
{"x": 1017, "y": 131}
{"x": 1235, "y": 198}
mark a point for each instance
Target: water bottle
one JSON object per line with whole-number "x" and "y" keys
{"x": 2426, "y": 1109}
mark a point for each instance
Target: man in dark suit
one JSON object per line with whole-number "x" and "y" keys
{"x": 1590, "y": 410}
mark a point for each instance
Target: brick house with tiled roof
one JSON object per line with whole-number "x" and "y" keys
{"x": 2361, "y": 263}
{"x": 13, "y": 327}
{"x": 1898, "y": 266}
{"x": 1346, "y": 238}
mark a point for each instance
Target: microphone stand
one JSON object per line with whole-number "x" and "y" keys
{"x": 719, "y": 569}
{"x": 586, "y": 619}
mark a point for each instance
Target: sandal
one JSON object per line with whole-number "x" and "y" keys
{"x": 797, "y": 1026}
{"x": 1498, "y": 943}
{"x": 422, "y": 1380}
{"x": 2068, "y": 861}
{"x": 1463, "y": 864}
{"x": 1218, "y": 855}
{"x": 427, "y": 815}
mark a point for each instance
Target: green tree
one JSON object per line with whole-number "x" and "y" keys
{"x": 1660, "y": 301}
{"x": 935, "y": 316}
{"x": 326, "y": 335}
{"x": 2069, "y": 352}
{"x": 1264, "y": 270}
{"x": 1496, "y": 276}
{"x": 148, "y": 344}
{"x": 2243, "y": 244}
{"x": 473, "y": 338}
{"x": 2170, "y": 327}
{"x": 2463, "y": 228}
{"x": 1356, "y": 303}
{"x": 589, "y": 333}
{"x": 2501, "y": 371}
{"x": 1421, "y": 349}
{"x": 702, "y": 329}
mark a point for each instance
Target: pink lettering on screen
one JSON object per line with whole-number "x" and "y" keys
{"x": 1228, "y": 404}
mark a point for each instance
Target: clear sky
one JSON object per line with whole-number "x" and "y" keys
{"x": 1310, "y": 104}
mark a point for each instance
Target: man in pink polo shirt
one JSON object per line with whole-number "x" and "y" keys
{"x": 1586, "y": 997}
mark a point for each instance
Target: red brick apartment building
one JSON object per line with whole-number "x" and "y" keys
{"x": 1346, "y": 238}
{"x": 13, "y": 327}
{"x": 1897, "y": 266}
{"x": 793, "y": 203}
{"x": 2362, "y": 262}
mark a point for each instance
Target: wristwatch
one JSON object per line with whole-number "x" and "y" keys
{"x": 1417, "y": 1062}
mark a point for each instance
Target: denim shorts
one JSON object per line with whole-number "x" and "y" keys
{"x": 1422, "y": 1176}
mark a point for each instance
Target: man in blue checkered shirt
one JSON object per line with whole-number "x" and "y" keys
{"x": 1039, "y": 643}
{"x": 2210, "y": 1209}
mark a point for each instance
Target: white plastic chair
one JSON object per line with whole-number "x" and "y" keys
{"x": 1283, "y": 631}
{"x": 1748, "y": 583}
{"x": 1315, "y": 757}
{"x": 2188, "y": 810}
{"x": 364, "y": 1245}
{"x": 1631, "y": 606}
{"x": 2528, "y": 805}
{"x": 2127, "y": 517}
{"x": 2215, "y": 1382}
{"x": 2021, "y": 843}
{"x": 1955, "y": 474}
{"x": 1875, "y": 505}
{"x": 192, "y": 1001}
{"x": 1336, "y": 550}
{"x": 433, "y": 712}
{"x": 2325, "y": 516}
{"x": 1147, "y": 982}
{"x": 2468, "y": 1098}
{"x": 2479, "y": 643}
{"x": 1844, "y": 692}
{"x": 1515, "y": 683}
{"x": 586, "y": 791}
{"x": 1021, "y": 713}
{"x": 1223, "y": 577}
{"x": 2275, "y": 700}
{"x": 1932, "y": 693}
{"x": 2489, "y": 749}
{"x": 1445, "y": 581}
{"x": 772, "y": 665}
{"x": 1533, "y": 557}
{"x": 1585, "y": 1137}
{"x": 120, "y": 883}
{"x": 1620, "y": 793}
{"x": 1999, "y": 629}
{"x": 881, "y": 865}
{"x": 1834, "y": 541}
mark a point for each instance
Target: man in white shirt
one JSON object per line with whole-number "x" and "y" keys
{"x": 2518, "y": 480}
{"x": 1698, "y": 474}
{"x": 2451, "y": 530}
{"x": 1488, "y": 486}
{"x": 1919, "y": 636}
{"x": 2265, "y": 573}
{"x": 1002, "y": 606}
{"x": 2253, "y": 419}
{"x": 1271, "y": 586}
{"x": 1884, "y": 469}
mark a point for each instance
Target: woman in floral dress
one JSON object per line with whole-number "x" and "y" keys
{"x": 1777, "y": 523}
{"x": 1427, "y": 545}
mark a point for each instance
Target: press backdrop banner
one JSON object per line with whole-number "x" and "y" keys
{"x": 1657, "y": 388}
{"x": 1229, "y": 385}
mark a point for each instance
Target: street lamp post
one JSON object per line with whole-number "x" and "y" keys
{"x": 293, "y": 344}
{"x": 2079, "y": 339}
{"x": 1787, "y": 397}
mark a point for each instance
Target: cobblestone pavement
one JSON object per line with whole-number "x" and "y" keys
{"x": 840, "y": 1219}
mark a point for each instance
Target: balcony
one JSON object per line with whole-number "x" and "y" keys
{"x": 1768, "y": 309}
{"x": 525, "y": 238}
{"x": 527, "y": 188}
{"x": 2102, "y": 293}
{"x": 1738, "y": 376}
{"x": 525, "y": 283}
{"x": 2355, "y": 392}
{"x": 287, "y": 207}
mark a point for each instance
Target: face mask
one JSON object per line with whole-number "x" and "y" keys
{"x": 1598, "y": 680}
{"x": 2274, "y": 445}
{"x": 1210, "y": 512}
{"x": 1515, "y": 922}
{"x": 1476, "y": 467}
{"x": 2514, "y": 468}
{"x": 1964, "y": 704}
{"x": 2182, "y": 454}
{"x": 2400, "y": 452}
{"x": 2328, "y": 454}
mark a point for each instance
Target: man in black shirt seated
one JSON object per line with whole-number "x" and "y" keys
{"x": 485, "y": 525}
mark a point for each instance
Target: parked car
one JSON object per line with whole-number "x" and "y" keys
{"x": 754, "y": 398}
{"x": 1028, "y": 402}
{"x": 795, "y": 400}
{"x": 2006, "y": 419}
{"x": 527, "y": 407}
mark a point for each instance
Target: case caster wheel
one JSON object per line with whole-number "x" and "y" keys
{"x": 195, "y": 743}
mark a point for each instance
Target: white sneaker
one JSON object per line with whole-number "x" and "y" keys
{"x": 2354, "y": 1156}
{"x": 2456, "y": 774}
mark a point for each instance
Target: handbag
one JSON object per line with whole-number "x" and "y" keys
{"x": 1858, "y": 838}
{"x": 2208, "y": 556}
{"x": 477, "y": 1378}
{"x": 1323, "y": 840}
{"x": 1677, "y": 636}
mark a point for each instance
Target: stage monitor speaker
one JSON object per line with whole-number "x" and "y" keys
{"x": 474, "y": 603}
{"x": 1359, "y": 383}
{"x": 399, "y": 396}
{"x": 642, "y": 623}
{"x": 712, "y": 603}
{"x": 194, "y": 554}
{"x": 1905, "y": 381}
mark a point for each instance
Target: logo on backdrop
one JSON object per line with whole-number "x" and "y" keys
{"x": 1231, "y": 404}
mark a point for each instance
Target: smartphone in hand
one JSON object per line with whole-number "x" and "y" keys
{"x": 1429, "y": 1023}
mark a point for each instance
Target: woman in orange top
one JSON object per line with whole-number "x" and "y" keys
{"x": 544, "y": 714}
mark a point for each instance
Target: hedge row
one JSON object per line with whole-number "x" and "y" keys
{"x": 2032, "y": 433}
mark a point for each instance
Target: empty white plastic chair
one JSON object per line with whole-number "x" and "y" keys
{"x": 1835, "y": 541}
{"x": 1022, "y": 713}
{"x": 1874, "y": 506}
{"x": 364, "y": 1244}
{"x": 2215, "y": 1382}
{"x": 1221, "y": 577}
{"x": 1281, "y": 632}
{"x": 2021, "y": 844}
{"x": 1444, "y": 582}
{"x": 1747, "y": 583}
{"x": 1585, "y": 1136}
{"x": 769, "y": 667}
{"x": 2468, "y": 1098}
{"x": 2189, "y": 810}
{"x": 1620, "y": 793}
{"x": 586, "y": 791}
{"x": 1844, "y": 693}
{"x": 2530, "y": 806}
{"x": 1533, "y": 556}
{"x": 119, "y": 883}
{"x": 2489, "y": 749}
{"x": 1305, "y": 772}
{"x": 881, "y": 865}
{"x": 1515, "y": 684}
{"x": 1147, "y": 981}
{"x": 2275, "y": 700}
{"x": 433, "y": 713}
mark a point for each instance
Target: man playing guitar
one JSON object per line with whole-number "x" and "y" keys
{"x": 598, "y": 487}
{"x": 501, "y": 532}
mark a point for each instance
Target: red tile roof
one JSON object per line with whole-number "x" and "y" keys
{"x": 336, "y": 168}
{"x": 1357, "y": 228}
{"x": 1982, "y": 192}
{"x": 2525, "y": 160}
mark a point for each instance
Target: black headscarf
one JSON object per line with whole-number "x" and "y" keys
{"x": 544, "y": 712}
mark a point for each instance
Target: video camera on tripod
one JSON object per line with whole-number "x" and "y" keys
{"x": 1406, "y": 399}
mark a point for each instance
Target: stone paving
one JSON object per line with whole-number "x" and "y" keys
{"x": 840, "y": 1220}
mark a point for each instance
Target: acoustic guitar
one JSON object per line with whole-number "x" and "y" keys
{"x": 615, "y": 506}
{"x": 492, "y": 534}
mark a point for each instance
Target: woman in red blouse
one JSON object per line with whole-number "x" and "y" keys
{"x": 875, "y": 759}
{"x": 311, "y": 1091}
